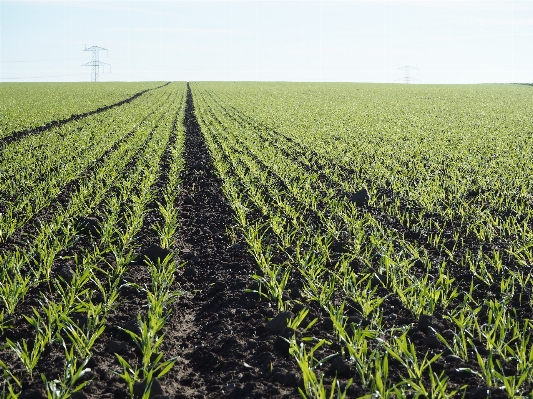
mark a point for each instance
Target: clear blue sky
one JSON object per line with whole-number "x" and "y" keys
{"x": 355, "y": 41}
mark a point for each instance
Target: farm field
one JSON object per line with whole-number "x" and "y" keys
{"x": 266, "y": 240}
{"x": 393, "y": 222}
{"x": 52, "y": 103}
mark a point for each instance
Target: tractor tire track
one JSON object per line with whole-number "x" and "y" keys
{"x": 217, "y": 329}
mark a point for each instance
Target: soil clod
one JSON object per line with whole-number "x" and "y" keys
{"x": 118, "y": 347}
{"x": 133, "y": 326}
{"x": 453, "y": 359}
{"x": 66, "y": 273}
{"x": 278, "y": 323}
{"x": 432, "y": 341}
{"x": 140, "y": 386}
{"x": 339, "y": 365}
{"x": 32, "y": 394}
{"x": 189, "y": 201}
{"x": 89, "y": 226}
{"x": 282, "y": 342}
{"x": 78, "y": 395}
{"x": 79, "y": 318}
{"x": 187, "y": 255}
{"x": 428, "y": 323}
{"x": 360, "y": 197}
{"x": 339, "y": 246}
{"x": 154, "y": 254}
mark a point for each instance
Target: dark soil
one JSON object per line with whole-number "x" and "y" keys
{"x": 217, "y": 329}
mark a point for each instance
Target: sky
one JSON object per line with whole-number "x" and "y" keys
{"x": 441, "y": 42}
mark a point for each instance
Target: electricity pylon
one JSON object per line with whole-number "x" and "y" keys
{"x": 407, "y": 77}
{"x": 95, "y": 63}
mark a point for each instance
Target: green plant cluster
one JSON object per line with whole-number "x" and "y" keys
{"x": 447, "y": 170}
{"x": 115, "y": 158}
{"x": 62, "y": 154}
{"x": 30, "y": 105}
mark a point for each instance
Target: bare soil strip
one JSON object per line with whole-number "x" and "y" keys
{"x": 23, "y": 133}
{"x": 217, "y": 329}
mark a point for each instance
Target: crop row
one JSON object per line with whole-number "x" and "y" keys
{"x": 466, "y": 212}
{"x": 63, "y": 283}
{"x": 26, "y": 106}
{"x": 36, "y": 168}
{"x": 409, "y": 225}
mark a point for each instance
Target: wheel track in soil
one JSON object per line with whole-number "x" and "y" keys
{"x": 217, "y": 329}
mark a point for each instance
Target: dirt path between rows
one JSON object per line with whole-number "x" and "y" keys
{"x": 217, "y": 329}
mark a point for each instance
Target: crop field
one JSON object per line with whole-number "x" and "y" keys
{"x": 26, "y": 106}
{"x": 266, "y": 240}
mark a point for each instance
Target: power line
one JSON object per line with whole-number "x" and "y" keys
{"x": 39, "y": 77}
{"x": 7, "y": 62}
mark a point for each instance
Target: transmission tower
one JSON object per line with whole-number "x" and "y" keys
{"x": 407, "y": 69}
{"x": 95, "y": 63}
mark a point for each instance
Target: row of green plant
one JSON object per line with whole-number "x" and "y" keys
{"x": 162, "y": 291}
{"x": 26, "y": 266}
{"x": 495, "y": 258}
{"x": 30, "y": 105}
{"x": 36, "y": 169}
{"x": 451, "y": 198}
{"x": 339, "y": 249}
{"x": 73, "y": 312}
